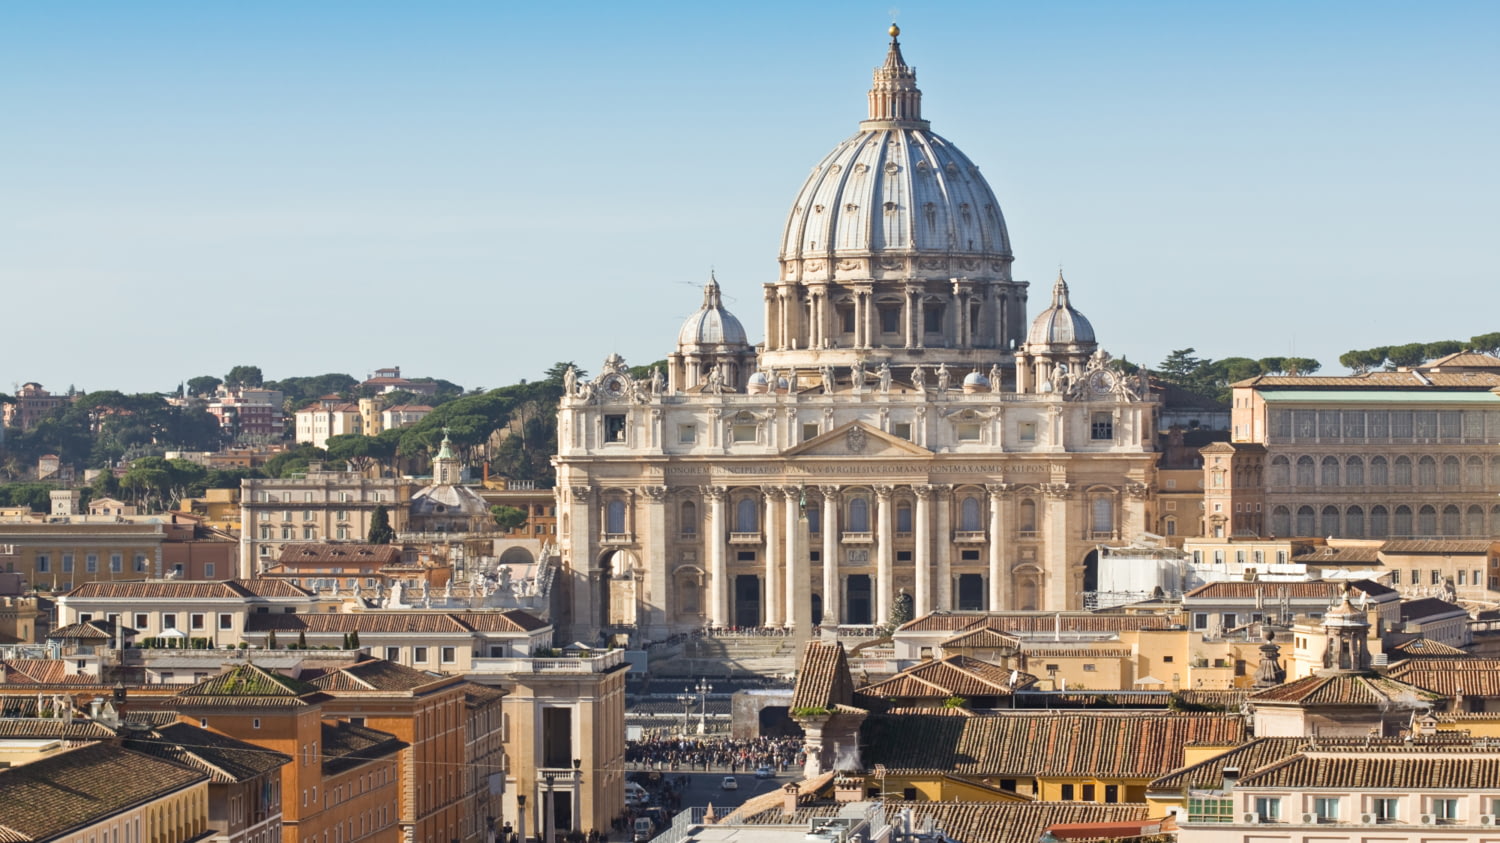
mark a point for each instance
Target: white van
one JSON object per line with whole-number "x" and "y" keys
{"x": 644, "y": 830}
{"x": 635, "y": 794}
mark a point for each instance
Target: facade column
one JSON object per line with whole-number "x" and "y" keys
{"x": 786, "y": 319}
{"x": 998, "y": 543}
{"x": 771, "y": 603}
{"x": 884, "y": 553}
{"x": 797, "y": 586}
{"x": 832, "y": 597}
{"x": 1133, "y": 519}
{"x": 718, "y": 566}
{"x": 943, "y": 527}
{"x": 1057, "y": 565}
{"x": 770, "y": 296}
{"x": 872, "y": 324}
{"x": 921, "y": 559}
{"x": 921, "y": 319}
{"x": 583, "y": 561}
{"x": 654, "y": 609}
{"x": 909, "y": 315}
{"x": 826, "y": 314}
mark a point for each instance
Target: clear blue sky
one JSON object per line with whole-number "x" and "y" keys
{"x": 476, "y": 190}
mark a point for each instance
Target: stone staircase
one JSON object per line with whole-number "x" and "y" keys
{"x": 770, "y": 655}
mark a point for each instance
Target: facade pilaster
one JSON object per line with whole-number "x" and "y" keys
{"x": 654, "y": 609}
{"x": 998, "y": 543}
{"x": 922, "y": 558}
{"x": 943, "y": 594}
{"x": 1058, "y": 497}
{"x": 884, "y": 554}
{"x": 584, "y": 560}
{"x": 798, "y": 604}
{"x": 718, "y": 555}
{"x": 771, "y": 603}
{"x": 832, "y": 597}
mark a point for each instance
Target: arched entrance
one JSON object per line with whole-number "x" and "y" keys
{"x": 857, "y": 600}
{"x": 1091, "y": 571}
{"x": 747, "y": 600}
{"x": 817, "y": 609}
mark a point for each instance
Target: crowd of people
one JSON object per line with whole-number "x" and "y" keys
{"x": 731, "y": 754}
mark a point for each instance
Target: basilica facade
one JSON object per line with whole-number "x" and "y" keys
{"x": 902, "y": 439}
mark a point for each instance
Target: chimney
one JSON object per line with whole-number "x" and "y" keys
{"x": 789, "y": 799}
{"x": 848, "y": 788}
{"x": 1231, "y": 777}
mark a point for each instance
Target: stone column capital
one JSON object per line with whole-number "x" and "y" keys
{"x": 831, "y": 494}
{"x": 656, "y": 494}
{"x": 716, "y": 493}
{"x": 1000, "y": 491}
{"x": 884, "y": 492}
{"x": 581, "y": 494}
{"x": 923, "y": 491}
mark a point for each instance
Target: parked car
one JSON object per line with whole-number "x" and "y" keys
{"x": 730, "y": 783}
{"x": 644, "y": 830}
{"x": 765, "y": 773}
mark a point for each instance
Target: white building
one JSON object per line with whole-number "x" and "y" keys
{"x": 898, "y": 435}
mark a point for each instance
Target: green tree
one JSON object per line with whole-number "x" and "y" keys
{"x": 380, "y": 527}
{"x": 1180, "y": 367}
{"x": 508, "y": 518}
{"x": 901, "y": 612}
{"x": 244, "y": 376}
{"x": 271, "y": 640}
{"x": 294, "y": 461}
{"x": 1302, "y": 365}
{"x": 1442, "y": 348}
{"x": 203, "y": 385}
{"x": 361, "y": 452}
{"x": 1486, "y": 343}
{"x": 1361, "y": 361}
{"x": 1410, "y": 354}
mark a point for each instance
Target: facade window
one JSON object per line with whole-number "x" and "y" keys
{"x": 1067, "y": 793}
{"x": 91, "y": 563}
{"x": 1387, "y": 809}
{"x": 1102, "y": 427}
{"x": 142, "y": 620}
{"x": 969, "y": 515}
{"x": 286, "y": 515}
{"x": 614, "y": 427}
{"x": 969, "y": 431}
{"x": 809, "y": 431}
{"x": 116, "y": 563}
{"x": 902, "y": 430}
{"x": 742, "y": 433}
{"x": 1269, "y": 808}
{"x": 449, "y": 655}
{"x": 1088, "y": 793}
{"x": 1027, "y": 518}
{"x": 196, "y": 621}
{"x": 226, "y": 621}
{"x": 890, "y": 319}
{"x": 687, "y": 434}
{"x": 903, "y": 518}
{"x": 933, "y": 318}
{"x": 67, "y": 563}
{"x": 169, "y": 621}
{"x": 43, "y": 563}
{"x": 689, "y": 519}
{"x": 1395, "y": 576}
{"x": 140, "y": 563}
{"x": 1026, "y": 431}
{"x": 393, "y": 654}
{"x": 859, "y": 515}
{"x": 1102, "y": 515}
{"x": 343, "y": 532}
{"x": 419, "y": 655}
{"x": 746, "y": 516}
{"x": 1445, "y": 810}
{"x": 1326, "y": 809}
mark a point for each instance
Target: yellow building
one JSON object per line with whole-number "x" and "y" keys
{"x": 220, "y": 509}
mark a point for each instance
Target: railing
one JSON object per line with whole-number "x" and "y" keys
{"x": 618, "y": 538}
{"x": 745, "y": 537}
{"x": 580, "y": 665}
{"x": 968, "y": 537}
{"x": 858, "y": 538}
{"x": 684, "y": 822}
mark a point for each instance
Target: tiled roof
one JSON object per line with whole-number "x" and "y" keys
{"x": 1034, "y": 622}
{"x": 1387, "y": 769}
{"x": 1077, "y": 652}
{"x": 49, "y": 797}
{"x": 187, "y": 589}
{"x": 477, "y": 695}
{"x": 1340, "y": 556}
{"x": 1442, "y": 546}
{"x": 376, "y": 675}
{"x": 1470, "y": 677}
{"x": 1428, "y": 607}
{"x": 511, "y": 620}
{"x": 320, "y": 553}
{"x": 346, "y": 745}
{"x": 1242, "y": 589}
{"x": 251, "y": 685}
{"x": 1376, "y": 380}
{"x": 953, "y": 676}
{"x": 823, "y": 680}
{"x": 273, "y": 588}
{"x": 1343, "y": 689}
{"x": 87, "y": 631}
{"x": 1467, "y": 359}
{"x": 1426, "y": 648}
{"x": 40, "y": 671}
{"x": 1108, "y": 744}
{"x": 984, "y": 638}
{"x": 362, "y": 622}
{"x": 1248, "y": 757}
{"x": 223, "y": 758}
{"x": 44, "y": 728}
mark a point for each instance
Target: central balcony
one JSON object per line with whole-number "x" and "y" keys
{"x": 968, "y": 537}
{"x": 752, "y": 537}
{"x": 858, "y": 538}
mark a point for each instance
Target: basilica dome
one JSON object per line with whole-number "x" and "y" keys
{"x": 897, "y": 195}
{"x": 1060, "y": 324}
{"x": 712, "y": 325}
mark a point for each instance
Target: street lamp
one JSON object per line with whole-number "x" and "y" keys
{"x": 521, "y": 814}
{"x": 686, "y": 700}
{"x": 702, "y": 690}
{"x": 549, "y": 819}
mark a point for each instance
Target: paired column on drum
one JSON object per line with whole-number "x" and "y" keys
{"x": 832, "y": 598}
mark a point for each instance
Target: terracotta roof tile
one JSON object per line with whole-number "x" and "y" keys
{"x": 225, "y": 759}
{"x": 49, "y": 797}
{"x": 985, "y": 639}
{"x": 1426, "y": 648}
{"x": 362, "y": 622}
{"x": 320, "y": 553}
{"x": 1440, "y": 546}
{"x": 1343, "y": 689}
{"x": 1420, "y": 768}
{"x": 1034, "y": 622}
{"x": 953, "y": 676}
{"x": 823, "y": 680}
{"x": 346, "y": 745}
{"x": 377, "y": 675}
{"x": 1428, "y": 607}
{"x": 1121, "y": 745}
{"x": 1451, "y": 677}
{"x": 511, "y": 620}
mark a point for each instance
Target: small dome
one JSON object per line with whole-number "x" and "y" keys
{"x": 976, "y": 379}
{"x": 1345, "y": 614}
{"x": 1060, "y": 324}
{"x": 712, "y": 324}
{"x": 758, "y": 383}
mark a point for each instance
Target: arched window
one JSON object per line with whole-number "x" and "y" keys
{"x": 814, "y": 518}
{"x": 903, "y": 517}
{"x": 1427, "y": 472}
{"x": 1281, "y": 521}
{"x": 968, "y": 515}
{"x": 747, "y": 516}
{"x": 1474, "y": 522}
{"x": 1474, "y": 473}
{"x": 1450, "y": 471}
{"x": 1427, "y": 520}
{"x": 1380, "y": 472}
{"x": 1329, "y": 525}
{"x": 1354, "y": 522}
{"x": 1169, "y": 526}
{"x": 1402, "y": 472}
{"x": 1354, "y": 472}
{"x": 1495, "y": 520}
{"x": 1452, "y": 521}
{"x": 1330, "y": 471}
{"x": 859, "y": 515}
{"x": 1028, "y": 516}
{"x": 1306, "y": 472}
{"x": 614, "y": 517}
{"x": 1306, "y": 521}
{"x": 1281, "y": 472}
{"x": 1102, "y": 514}
{"x": 1380, "y": 522}
{"x": 1401, "y": 525}
{"x": 689, "y": 516}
